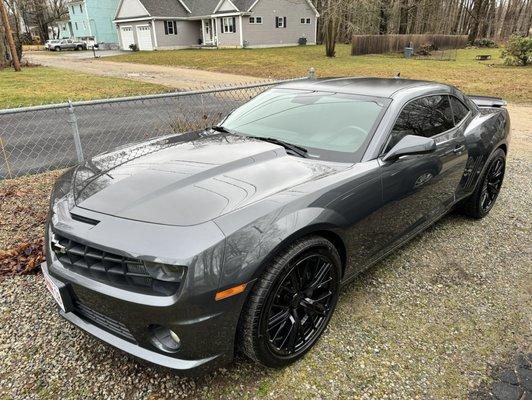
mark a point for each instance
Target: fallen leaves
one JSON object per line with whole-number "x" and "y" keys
{"x": 23, "y": 210}
{"x": 23, "y": 259}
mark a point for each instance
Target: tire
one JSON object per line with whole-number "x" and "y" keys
{"x": 57, "y": 48}
{"x": 79, "y": 48}
{"x": 482, "y": 200}
{"x": 276, "y": 309}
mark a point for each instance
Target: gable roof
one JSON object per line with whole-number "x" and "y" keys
{"x": 166, "y": 7}
{"x": 194, "y": 8}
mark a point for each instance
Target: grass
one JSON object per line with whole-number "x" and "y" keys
{"x": 488, "y": 77}
{"x": 38, "y": 85}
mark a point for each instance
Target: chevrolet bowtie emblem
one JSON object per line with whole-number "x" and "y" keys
{"x": 57, "y": 247}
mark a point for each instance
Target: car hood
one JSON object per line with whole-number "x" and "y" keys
{"x": 189, "y": 179}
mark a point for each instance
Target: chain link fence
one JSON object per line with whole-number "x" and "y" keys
{"x": 44, "y": 138}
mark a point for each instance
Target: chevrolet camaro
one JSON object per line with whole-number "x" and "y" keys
{"x": 188, "y": 248}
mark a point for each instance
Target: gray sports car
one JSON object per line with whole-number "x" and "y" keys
{"x": 185, "y": 249}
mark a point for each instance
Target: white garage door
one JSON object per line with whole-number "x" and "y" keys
{"x": 126, "y": 34}
{"x": 144, "y": 35}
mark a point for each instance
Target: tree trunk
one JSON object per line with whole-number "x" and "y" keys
{"x": 9, "y": 36}
{"x": 403, "y": 17}
{"x": 475, "y": 20}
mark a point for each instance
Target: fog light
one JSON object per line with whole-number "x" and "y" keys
{"x": 165, "y": 339}
{"x": 174, "y": 336}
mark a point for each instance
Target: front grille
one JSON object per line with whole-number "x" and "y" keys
{"x": 112, "y": 269}
{"x": 102, "y": 321}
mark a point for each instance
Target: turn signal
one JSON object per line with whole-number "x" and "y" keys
{"x": 224, "y": 294}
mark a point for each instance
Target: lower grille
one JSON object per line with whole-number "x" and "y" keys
{"x": 112, "y": 269}
{"x": 102, "y": 321}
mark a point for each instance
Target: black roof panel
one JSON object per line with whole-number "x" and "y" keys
{"x": 377, "y": 87}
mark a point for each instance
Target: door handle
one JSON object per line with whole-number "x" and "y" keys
{"x": 459, "y": 148}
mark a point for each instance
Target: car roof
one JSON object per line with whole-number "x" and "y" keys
{"x": 375, "y": 87}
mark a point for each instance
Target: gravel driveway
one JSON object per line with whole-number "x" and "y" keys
{"x": 173, "y": 77}
{"x": 431, "y": 321}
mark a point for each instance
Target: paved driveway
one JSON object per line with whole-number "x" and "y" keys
{"x": 173, "y": 77}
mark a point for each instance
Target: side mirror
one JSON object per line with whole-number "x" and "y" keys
{"x": 411, "y": 144}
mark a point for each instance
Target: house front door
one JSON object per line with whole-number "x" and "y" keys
{"x": 208, "y": 34}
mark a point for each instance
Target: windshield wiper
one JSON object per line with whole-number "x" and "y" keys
{"x": 222, "y": 129}
{"x": 298, "y": 150}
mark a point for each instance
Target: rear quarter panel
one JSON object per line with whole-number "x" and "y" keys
{"x": 488, "y": 130}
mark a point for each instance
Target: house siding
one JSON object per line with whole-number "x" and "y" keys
{"x": 101, "y": 15}
{"x": 266, "y": 34}
{"x": 131, "y": 9}
{"x": 96, "y": 20}
{"x": 229, "y": 39}
{"x": 188, "y": 34}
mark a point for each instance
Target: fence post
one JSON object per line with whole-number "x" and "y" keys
{"x": 311, "y": 73}
{"x": 73, "y": 121}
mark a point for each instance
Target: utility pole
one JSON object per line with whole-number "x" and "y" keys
{"x": 9, "y": 35}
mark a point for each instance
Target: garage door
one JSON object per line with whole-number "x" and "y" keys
{"x": 126, "y": 34}
{"x": 144, "y": 35}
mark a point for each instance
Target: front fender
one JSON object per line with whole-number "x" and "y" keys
{"x": 248, "y": 250}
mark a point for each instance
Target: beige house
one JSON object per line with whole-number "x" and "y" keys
{"x": 175, "y": 24}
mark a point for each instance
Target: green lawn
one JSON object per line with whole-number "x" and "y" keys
{"x": 488, "y": 77}
{"x": 40, "y": 85}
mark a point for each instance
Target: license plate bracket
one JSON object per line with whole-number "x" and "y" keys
{"x": 59, "y": 291}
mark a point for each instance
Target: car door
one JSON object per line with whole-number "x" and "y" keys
{"x": 417, "y": 189}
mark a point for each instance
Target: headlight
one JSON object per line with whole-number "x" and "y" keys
{"x": 165, "y": 272}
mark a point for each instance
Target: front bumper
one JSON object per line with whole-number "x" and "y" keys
{"x": 206, "y": 342}
{"x": 125, "y": 319}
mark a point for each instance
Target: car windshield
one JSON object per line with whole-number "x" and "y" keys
{"x": 329, "y": 126}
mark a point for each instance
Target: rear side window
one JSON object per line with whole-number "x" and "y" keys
{"x": 459, "y": 109}
{"x": 426, "y": 116}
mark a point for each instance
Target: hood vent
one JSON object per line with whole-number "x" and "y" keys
{"x": 85, "y": 220}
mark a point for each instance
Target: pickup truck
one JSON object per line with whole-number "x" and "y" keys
{"x": 68, "y": 44}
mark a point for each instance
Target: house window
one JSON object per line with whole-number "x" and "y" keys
{"x": 255, "y": 20}
{"x": 84, "y": 25}
{"x": 76, "y": 24}
{"x": 228, "y": 25}
{"x": 73, "y": 11}
{"x": 170, "y": 27}
{"x": 305, "y": 20}
{"x": 280, "y": 22}
{"x": 81, "y": 8}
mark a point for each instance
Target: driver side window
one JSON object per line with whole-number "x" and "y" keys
{"x": 427, "y": 116}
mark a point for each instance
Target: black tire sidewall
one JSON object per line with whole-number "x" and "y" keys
{"x": 262, "y": 349}
{"x": 499, "y": 153}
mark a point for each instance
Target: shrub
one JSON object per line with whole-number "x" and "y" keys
{"x": 485, "y": 42}
{"x": 518, "y": 50}
{"x": 426, "y": 49}
{"x": 134, "y": 47}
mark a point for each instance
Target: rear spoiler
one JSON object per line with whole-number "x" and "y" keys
{"x": 487, "y": 101}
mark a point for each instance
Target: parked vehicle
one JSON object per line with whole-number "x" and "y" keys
{"x": 51, "y": 43}
{"x": 68, "y": 44}
{"x": 89, "y": 41}
{"x": 184, "y": 248}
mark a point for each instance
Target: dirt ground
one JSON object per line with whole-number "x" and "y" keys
{"x": 173, "y": 77}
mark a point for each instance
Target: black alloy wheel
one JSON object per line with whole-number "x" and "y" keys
{"x": 298, "y": 309}
{"x": 481, "y": 201}
{"x": 492, "y": 184}
{"x": 292, "y": 303}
